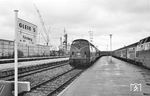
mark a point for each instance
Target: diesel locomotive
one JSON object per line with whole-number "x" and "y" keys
{"x": 83, "y": 53}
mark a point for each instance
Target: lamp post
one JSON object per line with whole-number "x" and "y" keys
{"x": 110, "y": 42}
{"x": 110, "y": 47}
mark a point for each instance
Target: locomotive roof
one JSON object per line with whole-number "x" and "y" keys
{"x": 84, "y": 40}
{"x": 80, "y": 40}
{"x": 147, "y": 39}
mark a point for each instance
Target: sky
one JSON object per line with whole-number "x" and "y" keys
{"x": 127, "y": 20}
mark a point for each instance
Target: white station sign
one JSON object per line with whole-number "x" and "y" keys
{"x": 27, "y": 32}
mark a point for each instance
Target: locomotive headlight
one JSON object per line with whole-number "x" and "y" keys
{"x": 78, "y": 54}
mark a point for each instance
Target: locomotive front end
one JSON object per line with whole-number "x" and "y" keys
{"x": 79, "y": 54}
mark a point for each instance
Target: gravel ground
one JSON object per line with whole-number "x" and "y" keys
{"x": 44, "y": 90}
{"x": 37, "y": 78}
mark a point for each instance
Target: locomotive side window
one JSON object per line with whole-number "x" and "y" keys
{"x": 147, "y": 43}
{"x": 141, "y": 47}
{"x": 148, "y": 46}
{"x": 72, "y": 53}
{"x": 91, "y": 48}
{"x": 145, "y": 46}
{"x": 85, "y": 54}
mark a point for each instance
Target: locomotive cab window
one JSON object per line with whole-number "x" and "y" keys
{"x": 72, "y": 53}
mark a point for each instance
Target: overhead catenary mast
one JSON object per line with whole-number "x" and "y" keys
{"x": 43, "y": 26}
{"x": 91, "y": 36}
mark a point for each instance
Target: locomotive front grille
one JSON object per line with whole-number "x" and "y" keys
{"x": 79, "y": 62}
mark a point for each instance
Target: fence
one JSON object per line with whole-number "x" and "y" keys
{"x": 7, "y": 50}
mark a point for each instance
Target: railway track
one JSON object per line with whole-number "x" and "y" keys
{"x": 53, "y": 85}
{"x": 45, "y": 79}
{"x": 25, "y": 71}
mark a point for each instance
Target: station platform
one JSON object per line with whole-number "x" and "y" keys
{"x": 10, "y": 60}
{"x": 110, "y": 77}
{"x": 30, "y": 63}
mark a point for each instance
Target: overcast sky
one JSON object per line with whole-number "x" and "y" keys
{"x": 127, "y": 20}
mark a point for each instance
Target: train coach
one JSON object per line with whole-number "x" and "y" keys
{"x": 83, "y": 53}
{"x": 139, "y": 52}
{"x": 143, "y": 52}
{"x": 127, "y": 52}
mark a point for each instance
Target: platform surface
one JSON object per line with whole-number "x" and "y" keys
{"x": 8, "y": 59}
{"x": 110, "y": 77}
{"x": 30, "y": 63}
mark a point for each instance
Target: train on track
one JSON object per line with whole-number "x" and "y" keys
{"x": 83, "y": 53}
{"x": 138, "y": 53}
